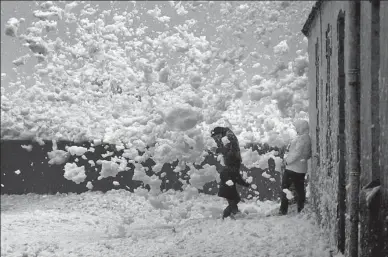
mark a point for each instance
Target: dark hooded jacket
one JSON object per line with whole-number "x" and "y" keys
{"x": 232, "y": 161}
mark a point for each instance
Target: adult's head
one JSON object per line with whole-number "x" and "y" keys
{"x": 301, "y": 127}
{"x": 219, "y": 131}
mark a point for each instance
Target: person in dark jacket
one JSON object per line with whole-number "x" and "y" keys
{"x": 230, "y": 174}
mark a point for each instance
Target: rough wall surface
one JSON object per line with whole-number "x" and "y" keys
{"x": 325, "y": 115}
{"x": 313, "y": 90}
{"x": 383, "y": 84}
{"x": 330, "y": 137}
{"x": 369, "y": 126}
{"x": 366, "y": 88}
{"x": 369, "y": 95}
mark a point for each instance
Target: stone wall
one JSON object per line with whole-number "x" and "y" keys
{"x": 328, "y": 55}
{"x": 326, "y": 110}
{"x": 383, "y": 106}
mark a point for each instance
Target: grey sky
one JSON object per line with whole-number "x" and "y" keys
{"x": 11, "y": 48}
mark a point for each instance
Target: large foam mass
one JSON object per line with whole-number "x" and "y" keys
{"x": 183, "y": 118}
{"x": 155, "y": 80}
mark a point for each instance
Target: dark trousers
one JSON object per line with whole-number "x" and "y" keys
{"x": 232, "y": 208}
{"x": 291, "y": 177}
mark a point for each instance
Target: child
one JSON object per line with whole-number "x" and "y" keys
{"x": 230, "y": 175}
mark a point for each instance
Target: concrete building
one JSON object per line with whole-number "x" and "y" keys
{"x": 348, "y": 111}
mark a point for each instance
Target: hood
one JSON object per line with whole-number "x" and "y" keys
{"x": 225, "y": 131}
{"x": 220, "y": 131}
{"x": 301, "y": 127}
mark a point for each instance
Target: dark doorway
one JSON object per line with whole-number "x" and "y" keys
{"x": 341, "y": 134}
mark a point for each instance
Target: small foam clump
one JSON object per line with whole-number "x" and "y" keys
{"x": 74, "y": 173}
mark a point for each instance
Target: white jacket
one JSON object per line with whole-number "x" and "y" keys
{"x": 300, "y": 148}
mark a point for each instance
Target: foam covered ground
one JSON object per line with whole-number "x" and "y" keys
{"x": 121, "y": 223}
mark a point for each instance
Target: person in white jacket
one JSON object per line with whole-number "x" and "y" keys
{"x": 296, "y": 166}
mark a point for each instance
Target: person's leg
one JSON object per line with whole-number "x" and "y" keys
{"x": 228, "y": 209}
{"x": 300, "y": 190}
{"x": 286, "y": 182}
{"x": 293, "y": 191}
{"x": 234, "y": 206}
